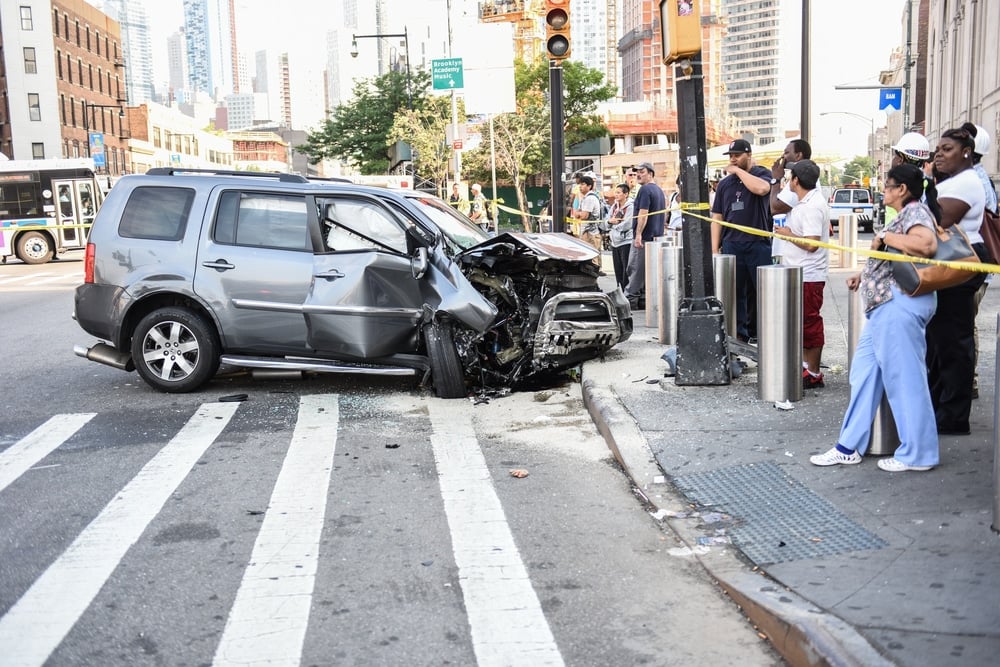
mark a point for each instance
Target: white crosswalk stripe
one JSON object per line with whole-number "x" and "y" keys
{"x": 267, "y": 624}
{"x": 269, "y": 618}
{"x": 508, "y": 625}
{"x": 38, "y": 444}
{"x": 37, "y": 623}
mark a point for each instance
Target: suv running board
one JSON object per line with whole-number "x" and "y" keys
{"x": 315, "y": 365}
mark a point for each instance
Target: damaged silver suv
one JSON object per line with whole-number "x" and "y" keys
{"x": 188, "y": 270}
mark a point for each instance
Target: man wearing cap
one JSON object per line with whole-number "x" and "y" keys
{"x": 650, "y": 214}
{"x": 808, "y": 219}
{"x": 478, "y": 212}
{"x": 742, "y": 198}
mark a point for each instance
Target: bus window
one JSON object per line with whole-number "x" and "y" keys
{"x": 66, "y": 201}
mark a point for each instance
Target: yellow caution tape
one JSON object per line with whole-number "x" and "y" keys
{"x": 687, "y": 207}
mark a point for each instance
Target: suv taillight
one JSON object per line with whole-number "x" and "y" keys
{"x": 88, "y": 264}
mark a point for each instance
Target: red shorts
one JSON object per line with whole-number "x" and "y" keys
{"x": 812, "y": 321}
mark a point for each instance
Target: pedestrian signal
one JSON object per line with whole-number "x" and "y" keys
{"x": 557, "y": 29}
{"x": 680, "y": 29}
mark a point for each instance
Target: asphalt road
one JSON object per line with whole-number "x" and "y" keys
{"x": 331, "y": 520}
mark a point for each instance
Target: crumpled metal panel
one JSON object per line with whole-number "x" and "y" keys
{"x": 558, "y": 337}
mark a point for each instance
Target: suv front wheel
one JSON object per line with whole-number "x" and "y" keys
{"x": 175, "y": 350}
{"x": 447, "y": 375}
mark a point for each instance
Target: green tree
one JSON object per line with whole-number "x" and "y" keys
{"x": 856, "y": 170}
{"x": 357, "y": 131}
{"x": 523, "y": 139}
{"x": 425, "y": 128}
{"x": 583, "y": 89}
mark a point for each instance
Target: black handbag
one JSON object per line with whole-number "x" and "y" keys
{"x": 916, "y": 278}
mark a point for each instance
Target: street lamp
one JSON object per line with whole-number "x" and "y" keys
{"x": 871, "y": 141}
{"x": 87, "y": 108}
{"x": 406, "y": 43}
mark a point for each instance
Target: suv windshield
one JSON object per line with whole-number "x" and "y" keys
{"x": 459, "y": 232}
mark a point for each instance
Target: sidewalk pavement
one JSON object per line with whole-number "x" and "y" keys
{"x": 848, "y": 565}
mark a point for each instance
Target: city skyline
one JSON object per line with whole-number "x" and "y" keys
{"x": 845, "y": 50}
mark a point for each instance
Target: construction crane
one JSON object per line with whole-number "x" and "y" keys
{"x": 526, "y": 16}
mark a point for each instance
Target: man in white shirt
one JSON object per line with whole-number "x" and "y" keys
{"x": 808, "y": 219}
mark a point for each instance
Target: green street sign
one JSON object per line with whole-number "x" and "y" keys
{"x": 446, "y": 73}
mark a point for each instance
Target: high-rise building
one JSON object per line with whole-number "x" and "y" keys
{"x": 136, "y": 48}
{"x": 209, "y": 33}
{"x": 760, "y": 66}
{"x": 272, "y": 81}
{"x": 646, "y": 80}
{"x": 177, "y": 68}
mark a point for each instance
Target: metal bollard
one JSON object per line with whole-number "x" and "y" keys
{"x": 724, "y": 275}
{"x": 884, "y": 438}
{"x": 779, "y": 333}
{"x": 673, "y": 237}
{"x": 671, "y": 291}
{"x": 847, "y": 235}
{"x": 996, "y": 435}
{"x": 653, "y": 280}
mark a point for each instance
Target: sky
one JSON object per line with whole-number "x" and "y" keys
{"x": 851, "y": 43}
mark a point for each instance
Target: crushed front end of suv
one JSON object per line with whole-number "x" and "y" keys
{"x": 188, "y": 271}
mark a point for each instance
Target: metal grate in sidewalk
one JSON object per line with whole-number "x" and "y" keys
{"x": 777, "y": 519}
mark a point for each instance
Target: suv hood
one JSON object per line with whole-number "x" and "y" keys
{"x": 546, "y": 246}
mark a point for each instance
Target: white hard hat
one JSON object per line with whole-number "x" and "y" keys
{"x": 477, "y": 187}
{"x": 982, "y": 141}
{"x": 914, "y": 146}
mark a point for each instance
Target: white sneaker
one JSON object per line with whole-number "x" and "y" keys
{"x": 834, "y": 457}
{"x": 891, "y": 464}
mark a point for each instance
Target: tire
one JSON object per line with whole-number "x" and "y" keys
{"x": 34, "y": 248}
{"x": 447, "y": 375}
{"x": 177, "y": 343}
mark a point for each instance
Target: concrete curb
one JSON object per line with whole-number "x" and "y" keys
{"x": 802, "y": 633}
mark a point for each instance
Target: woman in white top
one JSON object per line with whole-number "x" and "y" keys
{"x": 951, "y": 350}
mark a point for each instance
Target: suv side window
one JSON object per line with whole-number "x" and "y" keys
{"x": 354, "y": 224}
{"x": 156, "y": 213}
{"x": 265, "y": 221}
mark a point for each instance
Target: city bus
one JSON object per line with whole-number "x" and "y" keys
{"x": 46, "y": 207}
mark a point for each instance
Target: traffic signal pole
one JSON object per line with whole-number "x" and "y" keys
{"x": 558, "y": 200}
{"x": 557, "y": 47}
{"x": 702, "y": 351}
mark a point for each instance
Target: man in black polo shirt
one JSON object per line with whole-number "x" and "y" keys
{"x": 649, "y": 215}
{"x": 742, "y": 198}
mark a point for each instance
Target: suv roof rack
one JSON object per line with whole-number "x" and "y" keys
{"x": 173, "y": 171}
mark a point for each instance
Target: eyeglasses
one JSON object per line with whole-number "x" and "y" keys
{"x": 894, "y": 185}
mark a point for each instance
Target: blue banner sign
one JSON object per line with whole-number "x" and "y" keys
{"x": 890, "y": 98}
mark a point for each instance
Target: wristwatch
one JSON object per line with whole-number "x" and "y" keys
{"x": 774, "y": 181}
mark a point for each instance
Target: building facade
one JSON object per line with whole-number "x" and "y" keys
{"x": 963, "y": 71}
{"x": 63, "y": 86}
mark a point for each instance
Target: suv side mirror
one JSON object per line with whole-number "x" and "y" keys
{"x": 421, "y": 236}
{"x": 419, "y": 263}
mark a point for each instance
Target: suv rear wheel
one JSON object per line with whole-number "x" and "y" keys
{"x": 447, "y": 375}
{"x": 175, "y": 350}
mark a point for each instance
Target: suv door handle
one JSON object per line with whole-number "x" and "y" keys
{"x": 219, "y": 265}
{"x": 332, "y": 274}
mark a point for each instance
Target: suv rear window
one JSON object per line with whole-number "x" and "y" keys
{"x": 156, "y": 213}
